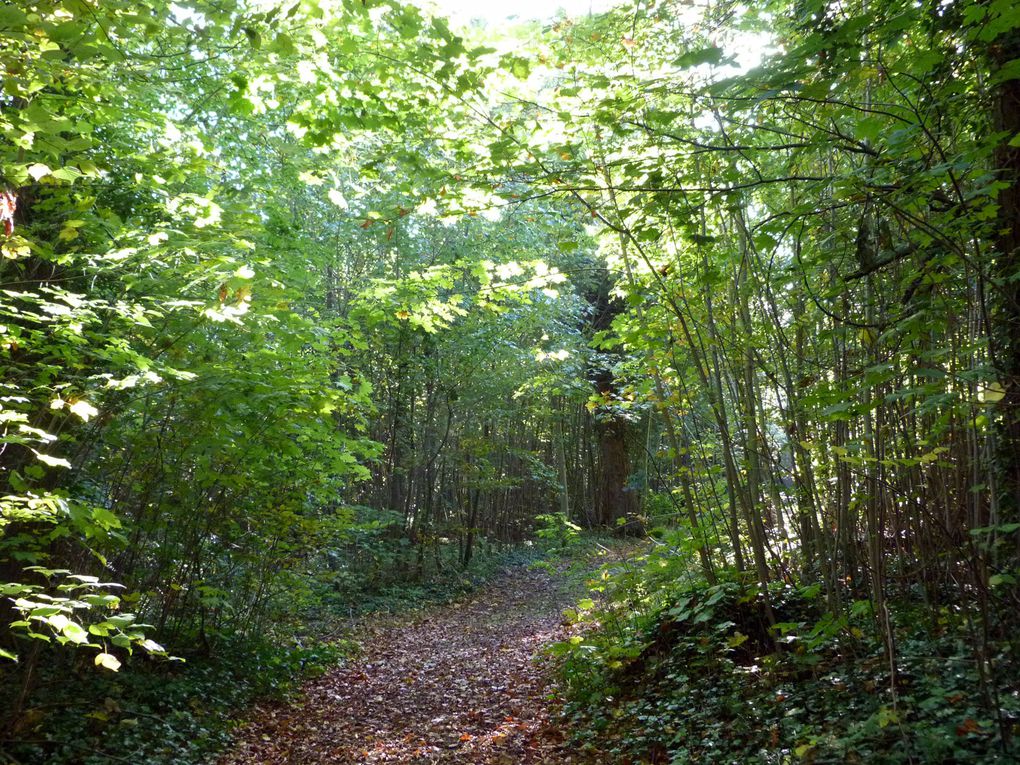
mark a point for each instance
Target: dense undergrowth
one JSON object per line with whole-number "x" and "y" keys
{"x": 176, "y": 712}
{"x": 165, "y": 712}
{"x": 677, "y": 670}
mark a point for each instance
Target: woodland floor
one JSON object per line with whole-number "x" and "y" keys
{"x": 462, "y": 683}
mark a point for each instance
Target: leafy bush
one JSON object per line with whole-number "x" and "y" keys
{"x": 557, "y": 532}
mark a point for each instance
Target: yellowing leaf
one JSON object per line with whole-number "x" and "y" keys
{"x": 152, "y": 646}
{"x": 991, "y": 393}
{"x": 107, "y": 660}
{"x": 52, "y": 461}
{"x": 84, "y": 409}
{"x": 39, "y": 170}
{"x": 337, "y": 198}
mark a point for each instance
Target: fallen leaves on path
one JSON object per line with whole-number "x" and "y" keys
{"x": 458, "y": 685}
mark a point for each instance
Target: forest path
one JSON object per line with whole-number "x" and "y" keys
{"x": 457, "y": 684}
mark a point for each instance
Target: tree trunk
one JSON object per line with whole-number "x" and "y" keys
{"x": 1006, "y": 335}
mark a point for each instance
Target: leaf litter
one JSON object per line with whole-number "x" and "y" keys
{"x": 461, "y": 684}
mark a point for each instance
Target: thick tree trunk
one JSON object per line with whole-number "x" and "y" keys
{"x": 1006, "y": 328}
{"x": 616, "y": 500}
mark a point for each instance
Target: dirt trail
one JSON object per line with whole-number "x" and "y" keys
{"x": 458, "y": 684}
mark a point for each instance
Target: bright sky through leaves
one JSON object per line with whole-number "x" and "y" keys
{"x": 494, "y": 12}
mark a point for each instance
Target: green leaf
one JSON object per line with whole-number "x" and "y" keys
{"x": 75, "y": 633}
{"x": 1008, "y": 71}
{"x": 105, "y": 518}
{"x": 253, "y": 37}
{"x": 17, "y": 482}
{"x": 712, "y": 55}
{"x": 736, "y": 640}
{"x": 68, "y": 174}
{"x": 870, "y": 128}
{"x": 12, "y": 17}
{"x": 284, "y": 45}
{"x": 1005, "y": 528}
{"x": 121, "y": 621}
